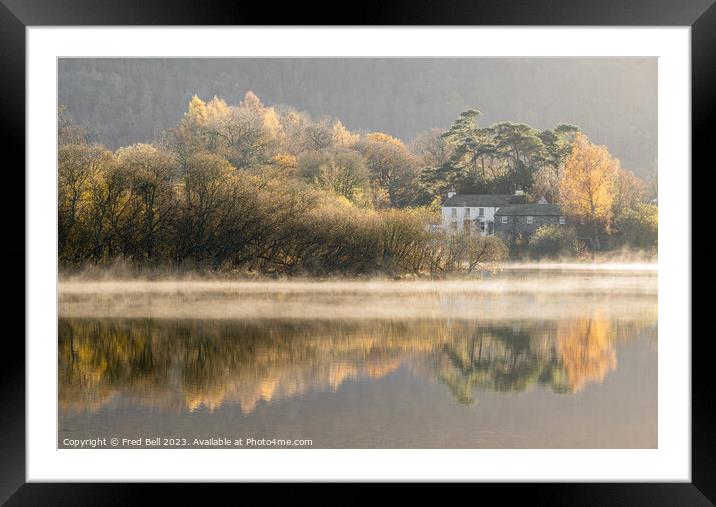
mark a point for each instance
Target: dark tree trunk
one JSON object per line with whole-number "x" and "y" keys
{"x": 597, "y": 246}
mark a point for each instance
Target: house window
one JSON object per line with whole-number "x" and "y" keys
{"x": 562, "y": 220}
{"x": 454, "y": 212}
{"x": 481, "y": 212}
{"x": 467, "y": 212}
{"x": 530, "y": 219}
{"x": 504, "y": 220}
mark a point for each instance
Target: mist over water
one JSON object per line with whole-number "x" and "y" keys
{"x": 509, "y": 294}
{"x": 525, "y": 357}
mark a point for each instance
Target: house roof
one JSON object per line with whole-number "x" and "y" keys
{"x": 478, "y": 200}
{"x": 530, "y": 209}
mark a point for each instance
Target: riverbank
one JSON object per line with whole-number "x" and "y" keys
{"x": 121, "y": 270}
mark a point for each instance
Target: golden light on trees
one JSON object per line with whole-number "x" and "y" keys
{"x": 587, "y": 184}
{"x": 629, "y": 193}
{"x": 263, "y": 188}
{"x": 342, "y": 136}
{"x": 286, "y": 162}
{"x": 393, "y": 169}
{"x": 196, "y": 111}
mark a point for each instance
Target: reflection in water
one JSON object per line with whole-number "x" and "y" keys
{"x": 186, "y": 365}
{"x": 587, "y": 350}
{"x": 517, "y": 359}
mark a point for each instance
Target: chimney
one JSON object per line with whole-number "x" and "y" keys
{"x": 450, "y": 194}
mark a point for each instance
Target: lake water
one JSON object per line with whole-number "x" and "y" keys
{"x": 529, "y": 357}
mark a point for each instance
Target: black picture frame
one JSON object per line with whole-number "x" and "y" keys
{"x": 700, "y": 15}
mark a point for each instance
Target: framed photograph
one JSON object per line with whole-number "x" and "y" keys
{"x": 437, "y": 245}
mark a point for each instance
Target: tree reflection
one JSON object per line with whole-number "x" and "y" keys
{"x": 499, "y": 359}
{"x": 193, "y": 365}
{"x": 587, "y": 350}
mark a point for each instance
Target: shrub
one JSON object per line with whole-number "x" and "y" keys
{"x": 639, "y": 226}
{"x": 552, "y": 241}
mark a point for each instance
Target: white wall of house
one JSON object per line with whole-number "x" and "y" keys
{"x": 453, "y": 217}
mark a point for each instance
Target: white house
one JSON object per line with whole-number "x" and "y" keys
{"x": 473, "y": 212}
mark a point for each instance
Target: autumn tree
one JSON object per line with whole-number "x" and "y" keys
{"x": 204, "y": 201}
{"x": 246, "y": 135}
{"x": 587, "y": 184}
{"x": 341, "y": 171}
{"x": 150, "y": 173}
{"x": 79, "y": 167}
{"x": 191, "y": 135}
{"x": 240, "y": 134}
{"x": 432, "y": 148}
{"x": 342, "y": 137}
{"x": 293, "y": 125}
{"x": 393, "y": 169}
{"x": 434, "y": 153}
{"x": 113, "y": 214}
{"x": 639, "y": 225}
{"x": 319, "y": 135}
{"x": 546, "y": 183}
{"x": 652, "y": 185}
{"x": 299, "y": 133}
{"x": 286, "y": 165}
{"x": 629, "y": 192}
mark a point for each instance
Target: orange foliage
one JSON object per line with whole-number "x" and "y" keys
{"x": 587, "y": 350}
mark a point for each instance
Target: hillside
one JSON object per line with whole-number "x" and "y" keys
{"x": 614, "y": 101}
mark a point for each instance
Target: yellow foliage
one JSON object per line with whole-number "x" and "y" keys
{"x": 272, "y": 123}
{"x": 196, "y": 111}
{"x": 252, "y": 101}
{"x": 342, "y": 136}
{"x": 217, "y": 109}
{"x": 286, "y": 161}
{"x": 629, "y": 192}
{"x": 385, "y": 138}
{"x": 588, "y": 181}
{"x": 137, "y": 154}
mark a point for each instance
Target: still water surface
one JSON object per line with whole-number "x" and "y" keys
{"x": 522, "y": 359}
